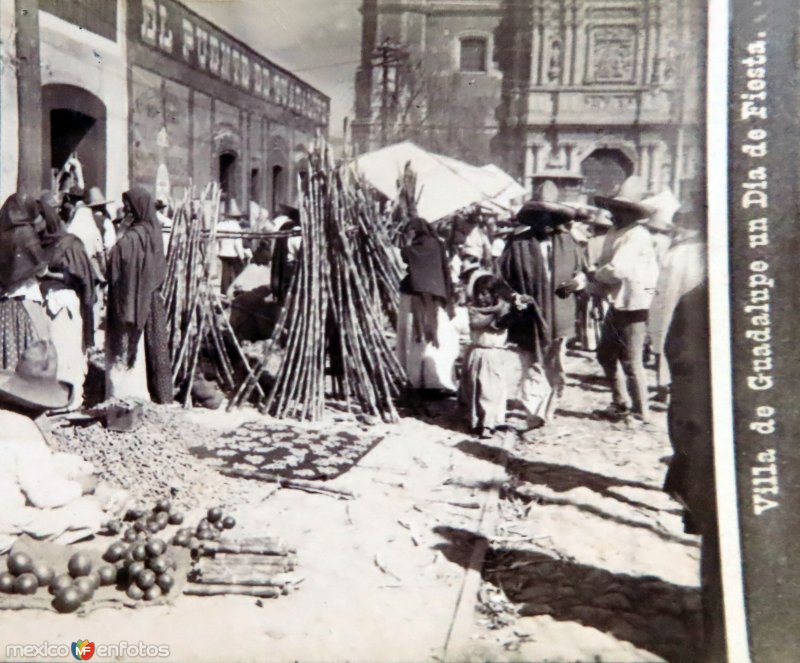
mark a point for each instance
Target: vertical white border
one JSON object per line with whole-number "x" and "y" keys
{"x": 719, "y": 287}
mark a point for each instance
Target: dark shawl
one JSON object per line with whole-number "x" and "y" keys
{"x": 136, "y": 271}
{"x": 566, "y": 264}
{"x": 522, "y": 267}
{"x": 428, "y": 268}
{"x": 66, "y": 255}
{"x": 281, "y": 270}
{"x": 21, "y": 253}
{"x": 690, "y": 477}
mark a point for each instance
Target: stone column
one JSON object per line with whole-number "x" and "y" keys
{"x": 29, "y": 98}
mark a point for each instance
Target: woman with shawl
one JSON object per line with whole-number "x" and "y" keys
{"x": 136, "y": 322}
{"x": 427, "y": 339}
{"x": 21, "y": 260}
{"x": 68, "y": 288}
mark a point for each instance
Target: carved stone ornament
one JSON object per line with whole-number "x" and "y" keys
{"x": 612, "y": 54}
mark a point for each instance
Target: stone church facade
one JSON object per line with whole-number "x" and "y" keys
{"x": 585, "y": 92}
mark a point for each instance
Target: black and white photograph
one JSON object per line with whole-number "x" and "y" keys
{"x": 399, "y": 331}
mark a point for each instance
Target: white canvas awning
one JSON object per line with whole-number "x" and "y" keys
{"x": 446, "y": 185}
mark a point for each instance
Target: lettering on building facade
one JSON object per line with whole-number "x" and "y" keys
{"x": 173, "y": 30}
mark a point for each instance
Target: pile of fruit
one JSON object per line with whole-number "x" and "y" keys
{"x": 139, "y": 563}
{"x": 26, "y": 576}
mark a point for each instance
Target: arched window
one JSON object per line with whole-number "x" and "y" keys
{"x": 474, "y": 55}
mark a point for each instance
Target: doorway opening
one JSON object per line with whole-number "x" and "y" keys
{"x": 73, "y": 125}
{"x": 277, "y": 188}
{"x": 255, "y": 185}
{"x": 227, "y": 174}
{"x": 604, "y": 171}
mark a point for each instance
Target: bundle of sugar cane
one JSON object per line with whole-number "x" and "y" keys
{"x": 197, "y": 321}
{"x": 344, "y": 290}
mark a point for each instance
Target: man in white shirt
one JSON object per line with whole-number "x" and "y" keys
{"x": 628, "y": 269}
{"x": 231, "y": 249}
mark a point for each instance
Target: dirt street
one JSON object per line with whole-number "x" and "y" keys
{"x": 586, "y": 558}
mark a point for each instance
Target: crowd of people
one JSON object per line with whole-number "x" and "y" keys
{"x": 70, "y": 273}
{"x": 599, "y": 278}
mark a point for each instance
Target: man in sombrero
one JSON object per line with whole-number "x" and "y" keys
{"x": 541, "y": 265}
{"x": 628, "y": 271}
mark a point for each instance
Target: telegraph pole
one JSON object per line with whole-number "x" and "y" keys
{"x": 389, "y": 55}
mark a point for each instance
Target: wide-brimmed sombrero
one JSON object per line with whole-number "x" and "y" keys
{"x": 33, "y": 384}
{"x": 545, "y": 200}
{"x": 95, "y": 197}
{"x": 629, "y": 198}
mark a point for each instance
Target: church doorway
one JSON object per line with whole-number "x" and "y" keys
{"x": 604, "y": 170}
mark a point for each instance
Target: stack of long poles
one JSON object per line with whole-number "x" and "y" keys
{"x": 344, "y": 292}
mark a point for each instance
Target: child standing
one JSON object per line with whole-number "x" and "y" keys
{"x": 484, "y": 389}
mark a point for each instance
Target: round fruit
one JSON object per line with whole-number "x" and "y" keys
{"x": 140, "y": 525}
{"x": 60, "y": 583}
{"x": 158, "y": 564}
{"x": 162, "y": 518}
{"x": 79, "y": 565}
{"x": 94, "y": 577}
{"x": 152, "y": 593}
{"x": 19, "y": 563}
{"x": 26, "y": 584}
{"x": 115, "y": 552}
{"x": 114, "y": 526}
{"x": 166, "y": 582}
{"x": 44, "y": 573}
{"x": 135, "y": 593}
{"x": 214, "y": 514}
{"x": 181, "y": 540}
{"x": 175, "y": 518}
{"x": 205, "y": 523}
{"x": 204, "y": 535}
{"x": 146, "y": 579}
{"x": 130, "y": 535}
{"x": 108, "y": 574}
{"x": 155, "y": 547}
{"x": 6, "y": 583}
{"x": 139, "y": 552}
{"x": 135, "y": 568}
{"x": 67, "y": 600}
{"x": 229, "y": 522}
{"x": 134, "y": 514}
{"x": 85, "y": 587}
{"x": 163, "y": 505}
{"x": 219, "y": 525}
{"x": 154, "y": 527}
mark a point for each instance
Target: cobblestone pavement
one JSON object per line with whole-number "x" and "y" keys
{"x": 589, "y": 561}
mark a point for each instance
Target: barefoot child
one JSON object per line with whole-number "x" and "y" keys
{"x": 484, "y": 382}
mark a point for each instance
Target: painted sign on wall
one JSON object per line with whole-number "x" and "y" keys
{"x": 170, "y": 28}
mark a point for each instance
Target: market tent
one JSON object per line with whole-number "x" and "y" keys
{"x": 446, "y": 185}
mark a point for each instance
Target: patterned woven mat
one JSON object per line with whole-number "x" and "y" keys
{"x": 288, "y": 451}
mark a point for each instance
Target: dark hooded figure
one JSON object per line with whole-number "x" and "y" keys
{"x": 68, "y": 266}
{"x": 21, "y": 260}
{"x": 136, "y": 271}
{"x": 284, "y": 256}
{"x": 427, "y": 342}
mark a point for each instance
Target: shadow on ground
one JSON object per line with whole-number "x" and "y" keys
{"x": 648, "y": 612}
{"x": 564, "y": 478}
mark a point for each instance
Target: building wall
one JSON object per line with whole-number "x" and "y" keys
{"x": 568, "y": 78}
{"x": 197, "y": 94}
{"x": 74, "y": 56}
{"x": 9, "y": 117}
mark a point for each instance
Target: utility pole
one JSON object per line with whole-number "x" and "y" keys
{"x": 389, "y": 56}
{"x": 29, "y": 96}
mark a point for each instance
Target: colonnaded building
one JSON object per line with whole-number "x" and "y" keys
{"x": 583, "y": 91}
{"x": 147, "y": 92}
